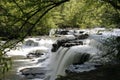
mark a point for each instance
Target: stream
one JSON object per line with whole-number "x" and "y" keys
{"x": 34, "y": 60}
{"x": 18, "y": 61}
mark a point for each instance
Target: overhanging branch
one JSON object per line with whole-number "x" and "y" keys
{"x": 30, "y": 29}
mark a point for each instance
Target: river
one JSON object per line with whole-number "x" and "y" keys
{"x": 37, "y": 68}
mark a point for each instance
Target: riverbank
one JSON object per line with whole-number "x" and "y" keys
{"x": 106, "y": 72}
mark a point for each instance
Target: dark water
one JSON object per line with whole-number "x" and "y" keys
{"x": 12, "y": 74}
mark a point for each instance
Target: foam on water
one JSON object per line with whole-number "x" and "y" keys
{"x": 67, "y": 56}
{"x": 25, "y": 50}
{"x": 81, "y": 68}
{"x": 35, "y": 63}
{"x": 57, "y": 62}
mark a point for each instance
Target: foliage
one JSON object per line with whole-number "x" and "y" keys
{"x": 114, "y": 3}
{"x": 5, "y": 63}
{"x": 17, "y": 20}
{"x": 85, "y": 14}
{"x": 112, "y": 48}
{"x": 21, "y": 18}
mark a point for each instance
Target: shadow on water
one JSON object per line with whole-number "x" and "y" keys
{"x": 12, "y": 74}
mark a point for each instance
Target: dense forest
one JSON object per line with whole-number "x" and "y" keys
{"x": 21, "y": 18}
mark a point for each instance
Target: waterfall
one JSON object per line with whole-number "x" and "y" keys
{"x": 65, "y": 56}
{"x": 56, "y": 60}
{"x": 69, "y": 51}
{"x": 69, "y": 54}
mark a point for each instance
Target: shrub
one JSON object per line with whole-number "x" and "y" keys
{"x": 112, "y": 49}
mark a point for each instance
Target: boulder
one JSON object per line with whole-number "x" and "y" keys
{"x": 59, "y": 43}
{"x": 65, "y": 43}
{"x": 72, "y": 43}
{"x": 35, "y": 53}
{"x": 34, "y": 72}
{"x": 82, "y": 36}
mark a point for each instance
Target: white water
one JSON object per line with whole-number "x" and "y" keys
{"x": 56, "y": 63}
{"x": 34, "y": 63}
{"x": 64, "y": 57}
{"x": 81, "y": 68}
{"x": 60, "y": 60}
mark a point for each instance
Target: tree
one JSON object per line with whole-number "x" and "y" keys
{"x": 114, "y": 3}
{"x": 28, "y": 17}
{"x": 21, "y": 16}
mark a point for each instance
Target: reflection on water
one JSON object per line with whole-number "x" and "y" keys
{"x": 21, "y": 62}
{"x": 18, "y": 61}
{"x": 63, "y": 58}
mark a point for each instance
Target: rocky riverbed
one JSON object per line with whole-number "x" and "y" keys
{"x": 105, "y": 72}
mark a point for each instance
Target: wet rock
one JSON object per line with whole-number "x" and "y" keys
{"x": 72, "y": 43}
{"x": 40, "y": 76}
{"x": 54, "y": 47}
{"x": 62, "y": 32}
{"x": 33, "y": 72}
{"x": 65, "y": 43}
{"x": 82, "y": 36}
{"x": 69, "y": 42}
{"x": 59, "y": 43}
{"x": 118, "y": 38}
{"x": 29, "y": 76}
{"x": 36, "y": 53}
{"x": 31, "y": 43}
{"x": 105, "y": 72}
{"x": 86, "y": 67}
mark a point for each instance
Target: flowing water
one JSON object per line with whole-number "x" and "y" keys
{"x": 17, "y": 62}
{"x": 50, "y": 65}
{"x": 35, "y": 64}
{"x": 55, "y": 64}
{"x": 64, "y": 57}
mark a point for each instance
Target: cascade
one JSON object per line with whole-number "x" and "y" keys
{"x": 67, "y": 53}
{"x": 65, "y": 56}
{"x": 56, "y": 60}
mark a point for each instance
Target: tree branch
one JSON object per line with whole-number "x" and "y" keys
{"x": 18, "y": 6}
{"x": 114, "y": 3}
{"x": 30, "y": 29}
